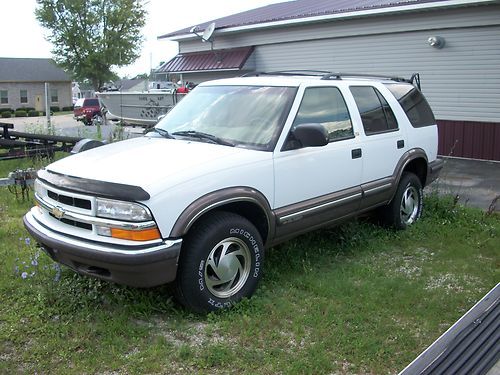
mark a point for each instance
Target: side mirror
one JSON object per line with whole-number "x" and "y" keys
{"x": 310, "y": 135}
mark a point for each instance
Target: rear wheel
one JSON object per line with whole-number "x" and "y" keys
{"x": 220, "y": 263}
{"x": 406, "y": 206}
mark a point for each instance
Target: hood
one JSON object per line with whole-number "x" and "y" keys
{"x": 154, "y": 163}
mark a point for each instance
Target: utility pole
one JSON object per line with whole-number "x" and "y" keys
{"x": 47, "y": 108}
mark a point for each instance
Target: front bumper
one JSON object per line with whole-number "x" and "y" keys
{"x": 139, "y": 266}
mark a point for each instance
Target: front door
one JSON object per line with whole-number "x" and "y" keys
{"x": 316, "y": 185}
{"x": 38, "y": 103}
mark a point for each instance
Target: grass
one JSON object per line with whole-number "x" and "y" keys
{"x": 352, "y": 299}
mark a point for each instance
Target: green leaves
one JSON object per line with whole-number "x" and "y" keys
{"x": 92, "y": 37}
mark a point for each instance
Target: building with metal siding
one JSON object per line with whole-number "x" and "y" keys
{"x": 461, "y": 80}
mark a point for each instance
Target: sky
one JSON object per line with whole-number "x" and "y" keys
{"x": 25, "y": 37}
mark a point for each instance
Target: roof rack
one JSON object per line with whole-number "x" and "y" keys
{"x": 414, "y": 79}
{"x": 326, "y": 75}
{"x": 297, "y": 72}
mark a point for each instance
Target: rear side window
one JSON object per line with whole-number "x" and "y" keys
{"x": 326, "y": 106}
{"x": 376, "y": 114}
{"x": 413, "y": 103}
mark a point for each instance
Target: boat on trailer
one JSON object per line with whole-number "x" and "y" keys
{"x": 139, "y": 108}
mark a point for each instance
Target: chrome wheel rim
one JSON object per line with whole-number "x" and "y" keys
{"x": 227, "y": 267}
{"x": 409, "y": 205}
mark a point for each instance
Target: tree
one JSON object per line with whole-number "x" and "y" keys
{"x": 90, "y": 37}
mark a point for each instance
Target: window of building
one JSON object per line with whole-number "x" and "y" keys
{"x": 413, "y": 103}
{"x": 53, "y": 96}
{"x": 376, "y": 114}
{"x": 24, "y": 96}
{"x": 326, "y": 106}
{"x": 4, "y": 97}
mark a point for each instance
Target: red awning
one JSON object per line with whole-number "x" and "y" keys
{"x": 216, "y": 60}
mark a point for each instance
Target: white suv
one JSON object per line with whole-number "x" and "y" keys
{"x": 237, "y": 166}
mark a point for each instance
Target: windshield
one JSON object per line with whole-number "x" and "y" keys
{"x": 245, "y": 116}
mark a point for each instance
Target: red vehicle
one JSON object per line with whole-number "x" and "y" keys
{"x": 88, "y": 110}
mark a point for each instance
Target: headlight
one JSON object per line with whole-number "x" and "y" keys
{"x": 122, "y": 210}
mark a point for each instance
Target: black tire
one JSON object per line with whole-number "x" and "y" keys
{"x": 220, "y": 263}
{"x": 406, "y": 205}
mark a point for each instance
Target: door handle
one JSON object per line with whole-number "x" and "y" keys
{"x": 356, "y": 153}
{"x": 401, "y": 143}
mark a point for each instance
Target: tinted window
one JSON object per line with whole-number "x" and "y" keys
{"x": 91, "y": 102}
{"x": 376, "y": 114}
{"x": 413, "y": 103}
{"x": 326, "y": 106}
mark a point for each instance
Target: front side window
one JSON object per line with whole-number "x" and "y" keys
{"x": 413, "y": 103}
{"x": 4, "y": 97}
{"x": 53, "y": 96}
{"x": 24, "y": 96}
{"x": 245, "y": 116}
{"x": 376, "y": 114}
{"x": 326, "y": 106}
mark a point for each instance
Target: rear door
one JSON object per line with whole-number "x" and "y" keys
{"x": 384, "y": 143}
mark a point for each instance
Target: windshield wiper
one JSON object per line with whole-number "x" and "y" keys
{"x": 163, "y": 133}
{"x": 206, "y": 136}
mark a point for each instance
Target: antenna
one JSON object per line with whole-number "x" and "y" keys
{"x": 207, "y": 34}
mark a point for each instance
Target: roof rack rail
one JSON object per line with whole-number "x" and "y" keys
{"x": 326, "y": 75}
{"x": 295, "y": 72}
{"x": 354, "y": 75}
{"x": 414, "y": 79}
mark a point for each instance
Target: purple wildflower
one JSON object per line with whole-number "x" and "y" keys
{"x": 27, "y": 241}
{"x": 24, "y": 275}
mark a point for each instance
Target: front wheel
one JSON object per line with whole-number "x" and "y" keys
{"x": 97, "y": 119}
{"x": 406, "y": 205}
{"x": 220, "y": 263}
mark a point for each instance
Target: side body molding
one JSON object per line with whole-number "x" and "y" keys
{"x": 225, "y": 197}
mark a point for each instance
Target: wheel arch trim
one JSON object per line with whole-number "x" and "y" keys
{"x": 406, "y": 158}
{"x": 221, "y": 198}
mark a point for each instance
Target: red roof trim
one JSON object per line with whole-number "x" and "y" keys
{"x": 224, "y": 59}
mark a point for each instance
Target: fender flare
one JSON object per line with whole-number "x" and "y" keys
{"x": 221, "y": 198}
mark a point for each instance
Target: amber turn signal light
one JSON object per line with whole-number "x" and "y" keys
{"x": 136, "y": 235}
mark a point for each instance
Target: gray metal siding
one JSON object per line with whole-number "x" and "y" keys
{"x": 461, "y": 81}
{"x": 389, "y": 24}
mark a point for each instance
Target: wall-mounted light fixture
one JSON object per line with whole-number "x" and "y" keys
{"x": 436, "y": 41}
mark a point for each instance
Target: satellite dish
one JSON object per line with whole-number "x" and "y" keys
{"x": 207, "y": 34}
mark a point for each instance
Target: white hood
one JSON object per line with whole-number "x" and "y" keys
{"x": 155, "y": 163}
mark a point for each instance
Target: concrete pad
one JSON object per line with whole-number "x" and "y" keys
{"x": 476, "y": 182}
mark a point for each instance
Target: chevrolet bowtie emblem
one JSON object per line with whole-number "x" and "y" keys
{"x": 58, "y": 212}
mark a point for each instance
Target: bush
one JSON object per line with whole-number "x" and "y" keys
{"x": 5, "y": 110}
{"x": 21, "y": 113}
{"x": 54, "y": 109}
{"x": 66, "y": 109}
{"x": 33, "y": 113}
{"x": 27, "y": 109}
{"x": 6, "y": 114}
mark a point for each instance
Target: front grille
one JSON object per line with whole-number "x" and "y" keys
{"x": 70, "y": 201}
{"x": 73, "y": 223}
